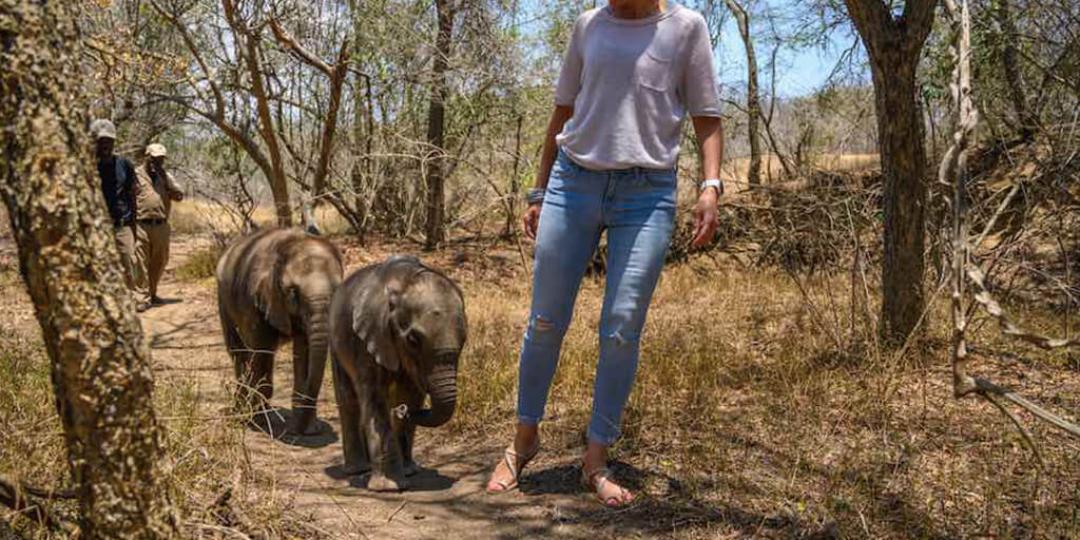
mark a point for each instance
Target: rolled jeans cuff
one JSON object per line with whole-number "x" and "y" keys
{"x": 602, "y": 439}
{"x": 529, "y": 420}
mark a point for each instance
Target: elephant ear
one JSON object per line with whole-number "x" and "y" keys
{"x": 269, "y": 296}
{"x": 374, "y": 324}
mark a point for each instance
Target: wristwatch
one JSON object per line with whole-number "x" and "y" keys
{"x": 535, "y": 195}
{"x": 712, "y": 183}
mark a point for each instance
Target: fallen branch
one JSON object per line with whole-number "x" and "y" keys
{"x": 986, "y": 387}
{"x": 1008, "y": 327}
{"x": 954, "y": 171}
{"x": 14, "y": 495}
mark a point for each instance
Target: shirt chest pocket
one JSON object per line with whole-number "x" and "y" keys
{"x": 655, "y": 68}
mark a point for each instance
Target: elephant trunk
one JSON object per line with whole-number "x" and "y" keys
{"x": 319, "y": 344}
{"x": 442, "y": 386}
{"x": 316, "y": 328}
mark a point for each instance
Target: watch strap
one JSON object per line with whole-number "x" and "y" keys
{"x": 712, "y": 183}
{"x": 535, "y": 195}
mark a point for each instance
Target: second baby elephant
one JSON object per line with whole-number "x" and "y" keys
{"x": 273, "y": 285}
{"x": 397, "y": 330}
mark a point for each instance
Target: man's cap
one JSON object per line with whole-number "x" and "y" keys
{"x": 155, "y": 150}
{"x": 102, "y": 129}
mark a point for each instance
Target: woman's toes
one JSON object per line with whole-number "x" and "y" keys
{"x": 499, "y": 479}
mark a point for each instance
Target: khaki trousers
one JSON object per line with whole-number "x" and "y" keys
{"x": 125, "y": 244}
{"x": 152, "y": 250}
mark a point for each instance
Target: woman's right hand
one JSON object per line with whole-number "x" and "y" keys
{"x": 531, "y": 220}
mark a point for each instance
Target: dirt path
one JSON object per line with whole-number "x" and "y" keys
{"x": 447, "y": 501}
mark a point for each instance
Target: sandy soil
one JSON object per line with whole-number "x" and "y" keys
{"x": 447, "y": 499}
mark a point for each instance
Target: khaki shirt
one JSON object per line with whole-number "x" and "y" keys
{"x": 153, "y": 200}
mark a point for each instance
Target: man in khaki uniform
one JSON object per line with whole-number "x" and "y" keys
{"x": 119, "y": 187}
{"x": 157, "y": 190}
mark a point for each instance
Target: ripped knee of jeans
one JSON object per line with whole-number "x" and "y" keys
{"x": 543, "y": 330}
{"x": 619, "y": 336}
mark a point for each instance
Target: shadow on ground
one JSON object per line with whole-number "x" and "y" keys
{"x": 273, "y": 422}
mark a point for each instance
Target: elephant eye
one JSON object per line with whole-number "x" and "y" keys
{"x": 413, "y": 338}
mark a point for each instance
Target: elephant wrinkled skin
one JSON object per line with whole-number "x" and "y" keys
{"x": 273, "y": 285}
{"x": 396, "y": 333}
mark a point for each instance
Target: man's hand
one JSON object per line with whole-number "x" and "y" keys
{"x": 705, "y": 218}
{"x": 531, "y": 220}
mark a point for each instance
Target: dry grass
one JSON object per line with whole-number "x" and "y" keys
{"x": 204, "y": 217}
{"x": 205, "y": 456}
{"x": 748, "y": 420}
{"x": 734, "y": 171}
{"x": 200, "y": 264}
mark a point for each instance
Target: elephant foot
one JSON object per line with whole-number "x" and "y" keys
{"x": 302, "y": 423}
{"x": 261, "y": 419}
{"x": 356, "y": 469}
{"x": 382, "y": 483}
{"x": 411, "y": 468}
{"x": 300, "y": 430}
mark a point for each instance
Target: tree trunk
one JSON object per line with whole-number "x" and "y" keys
{"x": 753, "y": 101}
{"x": 1010, "y": 63}
{"x": 326, "y": 141}
{"x": 67, "y": 256}
{"x": 279, "y": 186}
{"x": 894, "y": 45}
{"x": 435, "y": 159}
{"x": 361, "y": 143}
{"x": 249, "y": 50}
{"x": 515, "y": 182}
{"x": 903, "y": 162}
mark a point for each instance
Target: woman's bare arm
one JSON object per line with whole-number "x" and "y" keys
{"x": 531, "y": 220}
{"x": 559, "y": 117}
{"x": 710, "y": 136}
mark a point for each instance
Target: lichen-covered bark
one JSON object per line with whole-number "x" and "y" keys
{"x": 68, "y": 259}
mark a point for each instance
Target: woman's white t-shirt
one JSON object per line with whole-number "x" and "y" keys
{"x": 631, "y": 83}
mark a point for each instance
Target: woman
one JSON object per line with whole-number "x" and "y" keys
{"x": 633, "y": 71}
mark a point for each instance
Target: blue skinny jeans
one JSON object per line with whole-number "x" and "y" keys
{"x": 637, "y": 209}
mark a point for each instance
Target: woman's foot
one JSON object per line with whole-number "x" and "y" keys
{"x": 508, "y": 471}
{"x": 597, "y": 477}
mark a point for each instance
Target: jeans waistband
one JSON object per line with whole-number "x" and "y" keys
{"x": 629, "y": 171}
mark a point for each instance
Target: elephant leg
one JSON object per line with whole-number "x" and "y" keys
{"x": 257, "y": 372}
{"x": 353, "y": 441}
{"x": 241, "y": 357}
{"x": 414, "y": 399}
{"x": 382, "y": 445}
{"x": 262, "y": 376}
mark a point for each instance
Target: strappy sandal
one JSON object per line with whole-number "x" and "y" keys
{"x": 511, "y": 458}
{"x": 594, "y": 481}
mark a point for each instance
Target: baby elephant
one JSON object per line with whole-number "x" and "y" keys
{"x": 397, "y": 330}
{"x": 272, "y": 285}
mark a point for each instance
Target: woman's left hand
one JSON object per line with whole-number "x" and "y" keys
{"x": 706, "y": 218}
